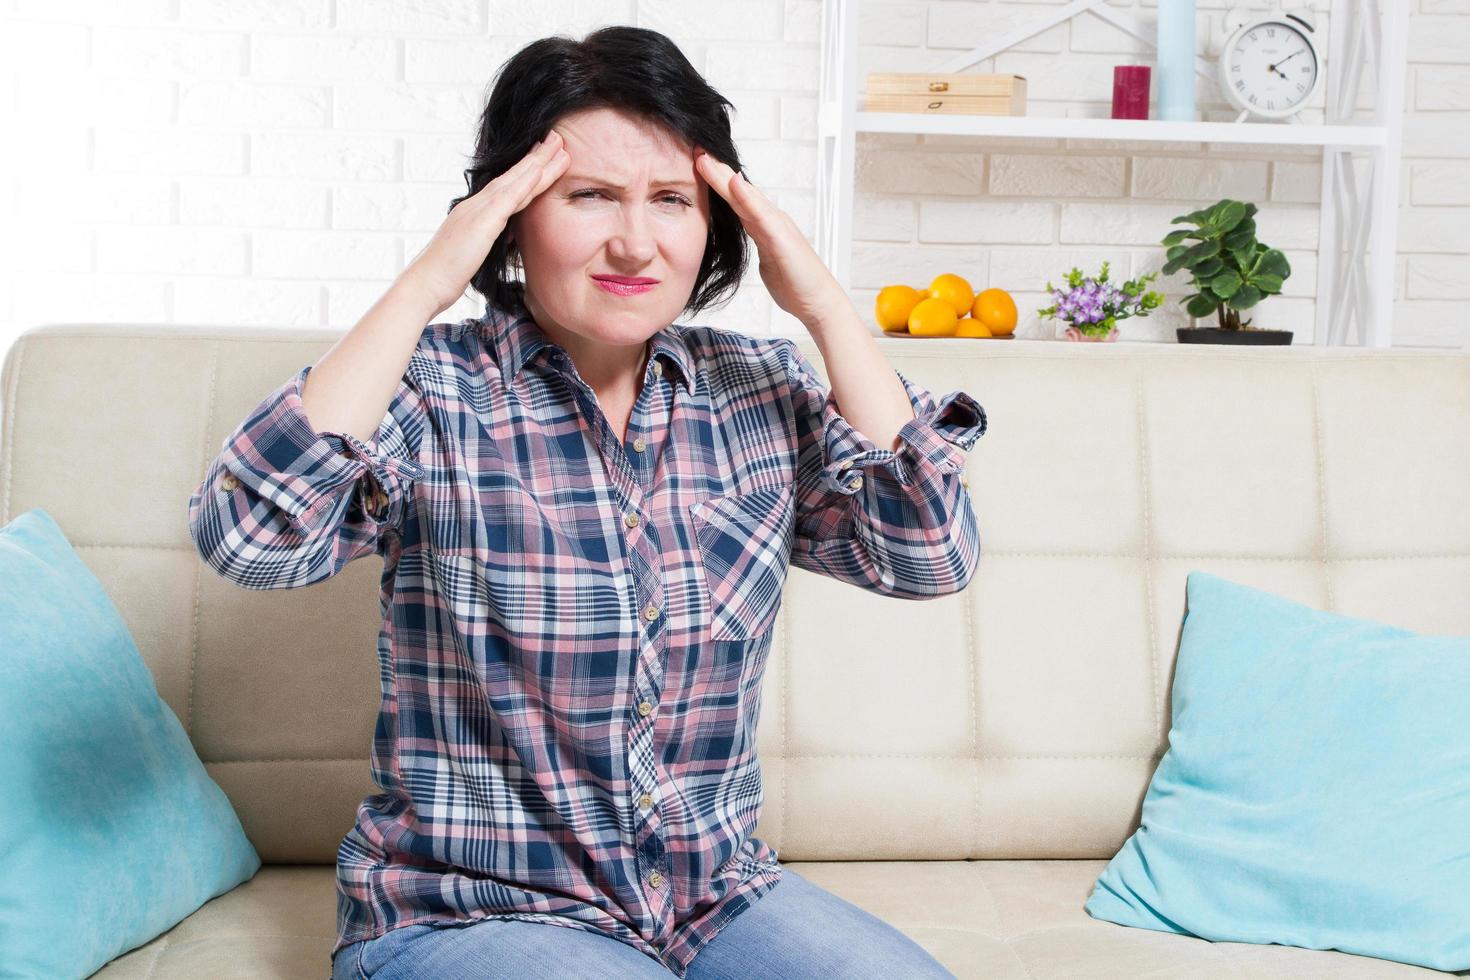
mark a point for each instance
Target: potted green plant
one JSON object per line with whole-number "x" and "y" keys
{"x": 1230, "y": 270}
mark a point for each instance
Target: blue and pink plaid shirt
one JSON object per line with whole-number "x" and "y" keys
{"x": 575, "y": 627}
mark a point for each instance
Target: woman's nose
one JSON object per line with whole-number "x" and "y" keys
{"x": 634, "y": 239}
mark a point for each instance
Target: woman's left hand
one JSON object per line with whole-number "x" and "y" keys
{"x": 794, "y": 274}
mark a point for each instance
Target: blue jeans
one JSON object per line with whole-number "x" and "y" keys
{"x": 796, "y": 930}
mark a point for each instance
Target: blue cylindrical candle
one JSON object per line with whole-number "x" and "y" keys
{"x": 1176, "y": 59}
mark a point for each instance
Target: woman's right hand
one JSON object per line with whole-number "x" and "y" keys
{"x": 444, "y": 267}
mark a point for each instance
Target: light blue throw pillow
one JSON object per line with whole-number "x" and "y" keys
{"x": 1316, "y": 787}
{"x": 113, "y": 831}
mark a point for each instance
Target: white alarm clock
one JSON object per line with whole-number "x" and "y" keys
{"x": 1270, "y": 66}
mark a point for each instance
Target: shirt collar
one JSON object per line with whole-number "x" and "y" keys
{"x": 517, "y": 337}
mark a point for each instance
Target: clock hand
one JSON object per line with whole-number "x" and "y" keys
{"x": 1283, "y": 61}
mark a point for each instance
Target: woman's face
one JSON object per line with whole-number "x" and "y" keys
{"x": 629, "y": 204}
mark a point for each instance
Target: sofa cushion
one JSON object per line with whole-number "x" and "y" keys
{"x": 1001, "y": 920}
{"x": 1314, "y": 791}
{"x": 114, "y": 831}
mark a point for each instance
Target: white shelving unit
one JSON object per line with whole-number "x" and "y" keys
{"x": 1354, "y": 295}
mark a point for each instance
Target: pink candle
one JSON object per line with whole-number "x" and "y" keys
{"x": 1130, "y": 91}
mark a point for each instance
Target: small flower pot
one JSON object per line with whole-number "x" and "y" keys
{"x": 1073, "y": 333}
{"x": 1219, "y": 335}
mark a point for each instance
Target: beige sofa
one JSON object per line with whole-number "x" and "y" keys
{"x": 962, "y": 767}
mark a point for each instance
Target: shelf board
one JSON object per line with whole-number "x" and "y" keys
{"x": 1144, "y": 130}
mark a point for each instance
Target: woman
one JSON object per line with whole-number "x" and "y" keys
{"x": 586, "y": 512}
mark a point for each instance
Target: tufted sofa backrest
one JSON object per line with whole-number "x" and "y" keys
{"x": 1020, "y": 718}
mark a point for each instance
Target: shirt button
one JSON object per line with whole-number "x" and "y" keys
{"x": 644, "y": 708}
{"x": 655, "y": 879}
{"x": 229, "y": 482}
{"x": 639, "y": 445}
{"x": 658, "y": 369}
{"x": 631, "y": 520}
{"x": 651, "y": 613}
{"x": 965, "y": 481}
{"x": 645, "y": 801}
{"x": 857, "y": 482}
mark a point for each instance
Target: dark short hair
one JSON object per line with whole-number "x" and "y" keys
{"x": 638, "y": 71}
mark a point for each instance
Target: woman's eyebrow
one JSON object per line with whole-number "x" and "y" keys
{"x": 688, "y": 185}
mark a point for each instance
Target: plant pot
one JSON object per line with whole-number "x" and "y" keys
{"x": 1219, "y": 335}
{"x": 1073, "y": 333}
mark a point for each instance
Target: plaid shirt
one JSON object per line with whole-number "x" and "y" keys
{"x": 575, "y": 628}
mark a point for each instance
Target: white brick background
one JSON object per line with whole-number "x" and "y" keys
{"x": 277, "y": 162}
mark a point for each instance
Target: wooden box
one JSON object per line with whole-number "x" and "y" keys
{"x": 962, "y": 93}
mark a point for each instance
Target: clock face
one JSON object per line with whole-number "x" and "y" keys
{"x": 1271, "y": 69}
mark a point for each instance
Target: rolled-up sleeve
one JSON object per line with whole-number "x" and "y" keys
{"x": 898, "y": 523}
{"x": 283, "y": 505}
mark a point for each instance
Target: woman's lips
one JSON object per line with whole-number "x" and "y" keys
{"x": 623, "y": 288}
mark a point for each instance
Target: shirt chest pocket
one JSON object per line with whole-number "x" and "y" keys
{"x": 744, "y": 546}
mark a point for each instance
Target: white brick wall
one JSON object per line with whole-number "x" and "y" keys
{"x": 278, "y": 161}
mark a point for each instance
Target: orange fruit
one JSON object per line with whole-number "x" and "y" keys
{"x": 954, "y": 290}
{"x": 893, "y": 306}
{"x": 933, "y": 318}
{"x": 995, "y": 308}
{"x": 969, "y": 327}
